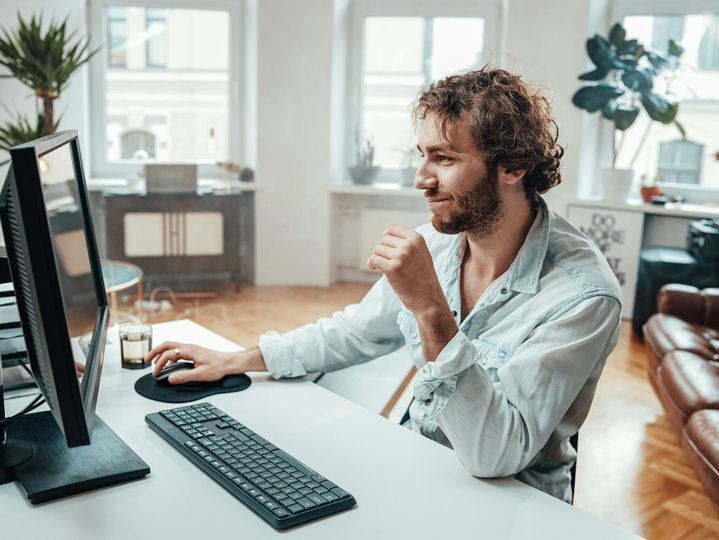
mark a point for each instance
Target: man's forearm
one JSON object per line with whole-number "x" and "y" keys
{"x": 248, "y": 360}
{"x": 437, "y": 327}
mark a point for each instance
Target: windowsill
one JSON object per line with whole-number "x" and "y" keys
{"x": 378, "y": 188}
{"x": 689, "y": 210}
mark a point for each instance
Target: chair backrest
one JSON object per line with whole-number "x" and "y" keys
{"x": 574, "y": 441}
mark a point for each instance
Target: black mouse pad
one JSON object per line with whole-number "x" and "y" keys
{"x": 147, "y": 387}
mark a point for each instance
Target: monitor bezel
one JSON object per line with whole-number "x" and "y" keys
{"x": 75, "y": 402}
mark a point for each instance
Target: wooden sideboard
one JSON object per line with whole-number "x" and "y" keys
{"x": 178, "y": 239}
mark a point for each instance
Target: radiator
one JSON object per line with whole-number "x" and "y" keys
{"x": 374, "y": 222}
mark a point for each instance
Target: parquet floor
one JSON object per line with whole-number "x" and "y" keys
{"x": 631, "y": 470}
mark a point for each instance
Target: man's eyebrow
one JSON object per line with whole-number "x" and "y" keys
{"x": 441, "y": 148}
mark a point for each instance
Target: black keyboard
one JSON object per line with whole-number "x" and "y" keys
{"x": 281, "y": 489}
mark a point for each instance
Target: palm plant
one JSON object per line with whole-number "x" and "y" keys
{"x": 20, "y": 130}
{"x": 44, "y": 61}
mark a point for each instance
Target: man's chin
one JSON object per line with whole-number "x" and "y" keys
{"x": 443, "y": 226}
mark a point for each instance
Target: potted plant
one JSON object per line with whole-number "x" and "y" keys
{"x": 409, "y": 164}
{"x": 364, "y": 172}
{"x": 650, "y": 188}
{"x": 623, "y": 82}
{"x": 44, "y": 60}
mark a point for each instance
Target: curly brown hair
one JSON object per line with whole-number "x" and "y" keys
{"x": 511, "y": 123}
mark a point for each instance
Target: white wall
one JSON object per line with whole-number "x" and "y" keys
{"x": 545, "y": 43}
{"x": 73, "y": 103}
{"x": 294, "y": 67}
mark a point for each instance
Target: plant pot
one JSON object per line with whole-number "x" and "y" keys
{"x": 617, "y": 184}
{"x": 363, "y": 174}
{"x": 647, "y": 192}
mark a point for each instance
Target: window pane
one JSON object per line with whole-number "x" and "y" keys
{"x": 696, "y": 84}
{"x": 167, "y": 83}
{"x": 401, "y": 56}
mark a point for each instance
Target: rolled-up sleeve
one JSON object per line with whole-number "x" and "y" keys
{"x": 498, "y": 424}
{"x": 357, "y": 334}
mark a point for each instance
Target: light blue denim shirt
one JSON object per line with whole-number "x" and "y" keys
{"x": 517, "y": 379}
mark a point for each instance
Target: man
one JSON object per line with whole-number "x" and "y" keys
{"x": 508, "y": 312}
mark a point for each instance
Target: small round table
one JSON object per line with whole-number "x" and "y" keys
{"x": 119, "y": 276}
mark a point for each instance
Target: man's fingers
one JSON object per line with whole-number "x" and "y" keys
{"x": 391, "y": 241}
{"x": 164, "y": 358}
{"x": 398, "y": 231}
{"x": 385, "y": 252}
{"x": 375, "y": 262}
{"x": 161, "y": 348}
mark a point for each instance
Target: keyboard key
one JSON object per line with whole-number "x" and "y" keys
{"x": 295, "y": 508}
{"x": 280, "y": 512}
{"x": 341, "y": 493}
{"x": 306, "y": 503}
{"x": 316, "y": 498}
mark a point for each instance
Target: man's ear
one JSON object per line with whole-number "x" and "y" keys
{"x": 510, "y": 176}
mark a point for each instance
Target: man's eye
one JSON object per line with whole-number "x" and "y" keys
{"x": 441, "y": 157}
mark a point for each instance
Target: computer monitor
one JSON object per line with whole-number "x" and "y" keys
{"x": 55, "y": 266}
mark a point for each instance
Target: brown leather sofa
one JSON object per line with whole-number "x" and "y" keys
{"x": 682, "y": 342}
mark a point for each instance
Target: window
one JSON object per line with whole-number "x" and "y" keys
{"x": 402, "y": 53}
{"x": 163, "y": 91}
{"x": 116, "y": 36}
{"x": 156, "y": 45}
{"x": 680, "y": 161}
{"x": 658, "y": 150}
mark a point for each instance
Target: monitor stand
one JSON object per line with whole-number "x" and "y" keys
{"x": 56, "y": 471}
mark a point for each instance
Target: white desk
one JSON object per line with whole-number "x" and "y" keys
{"x": 406, "y": 486}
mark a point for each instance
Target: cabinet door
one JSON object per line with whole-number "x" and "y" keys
{"x": 618, "y": 234}
{"x": 178, "y": 234}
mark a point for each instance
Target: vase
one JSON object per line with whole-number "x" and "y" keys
{"x": 647, "y": 192}
{"x": 617, "y": 184}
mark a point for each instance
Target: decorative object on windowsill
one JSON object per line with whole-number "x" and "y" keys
{"x": 364, "y": 172}
{"x": 628, "y": 71}
{"x": 649, "y": 189}
{"x": 43, "y": 60}
{"x": 409, "y": 164}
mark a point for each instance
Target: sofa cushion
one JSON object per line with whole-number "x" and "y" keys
{"x": 666, "y": 333}
{"x": 691, "y": 382}
{"x": 701, "y": 442}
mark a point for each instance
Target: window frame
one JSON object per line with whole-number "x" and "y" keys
{"x": 102, "y": 167}
{"x": 489, "y": 10}
{"x": 627, "y": 8}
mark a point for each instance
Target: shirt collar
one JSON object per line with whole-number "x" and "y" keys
{"x": 524, "y": 272}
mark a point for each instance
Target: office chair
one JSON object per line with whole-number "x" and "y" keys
{"x": 574, "y": 441}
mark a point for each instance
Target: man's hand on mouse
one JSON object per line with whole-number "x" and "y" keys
{"x": 210, "y": 365}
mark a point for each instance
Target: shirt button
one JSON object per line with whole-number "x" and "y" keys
{"x": 504, "y": 290}
{"x": 414, "y": 335}
{"x": 454, "y": 313}
{"x": 428, "y": 402}
{"x": 483, "y": 361}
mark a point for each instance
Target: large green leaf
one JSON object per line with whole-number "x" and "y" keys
{"x": 609, "y": 109}
{"x": 624, "y": 116}
{"x": 659, "y": 108}
{"x": 617, "y": 35}
{"x": 675, "y": 49}
{"x": 593, "y": 97}
{"x": 599, "y": 51}
{"x": 638, "y": 79}
{"x": 595, "y": 75}
{"x": 657, "y": 59}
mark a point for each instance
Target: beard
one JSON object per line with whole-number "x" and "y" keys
{"x": 476, "y": 212}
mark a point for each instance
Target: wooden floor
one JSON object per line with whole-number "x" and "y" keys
{"x": 631, "y": 469}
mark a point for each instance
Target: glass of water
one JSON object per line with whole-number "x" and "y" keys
{"x": 135, "y": 343}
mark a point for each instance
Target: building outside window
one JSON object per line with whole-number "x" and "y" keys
{"x": 655, "y": 150}
{"x": 117, "y": 36}
{"x": 163, "y": 91}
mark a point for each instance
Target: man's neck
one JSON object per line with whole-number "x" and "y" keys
{"x": 490, "y": 255}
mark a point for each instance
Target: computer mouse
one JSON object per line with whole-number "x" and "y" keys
{"x": 163, "y": 378}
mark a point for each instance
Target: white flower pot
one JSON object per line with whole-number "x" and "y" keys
{"x": 617, "y": 184}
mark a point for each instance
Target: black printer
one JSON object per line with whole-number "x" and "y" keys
{"x": 703, "y": 239}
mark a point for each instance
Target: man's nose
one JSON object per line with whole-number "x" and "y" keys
{"x": 424, "y": 178}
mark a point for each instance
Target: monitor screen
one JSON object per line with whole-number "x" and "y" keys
{"x": 67, "y": 229}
